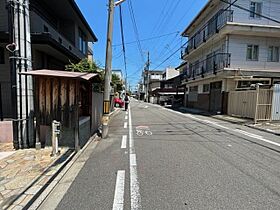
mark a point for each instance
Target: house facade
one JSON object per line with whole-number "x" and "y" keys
{"x": 230, "y": 47}
{"x": 35, "y": 34}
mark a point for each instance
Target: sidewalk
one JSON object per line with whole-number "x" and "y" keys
{"x": 270, "y": 127}
{"x": 23, "y": 173}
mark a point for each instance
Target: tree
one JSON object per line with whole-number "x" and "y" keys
{"x": 84, "y": 66}
{"x": 117, "y": 83}
{"x": 88, "y": 66}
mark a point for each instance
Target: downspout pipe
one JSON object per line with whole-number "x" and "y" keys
{"x": 12, "y": 59}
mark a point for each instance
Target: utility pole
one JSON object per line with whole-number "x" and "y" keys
{"x": 108, "y": 68}
{"x": 148, "y": 78}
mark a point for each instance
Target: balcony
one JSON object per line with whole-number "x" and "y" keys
{"x": 213, "y": 26}
{"x": 210, "y": 65}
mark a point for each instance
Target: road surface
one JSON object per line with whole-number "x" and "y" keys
{"x": 157, "y": 158}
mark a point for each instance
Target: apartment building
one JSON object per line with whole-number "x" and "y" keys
{"x": 35, "y": 34}
{"x": 230, "y": 47}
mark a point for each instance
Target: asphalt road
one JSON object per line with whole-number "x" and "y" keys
{"x": 189, "y": 162}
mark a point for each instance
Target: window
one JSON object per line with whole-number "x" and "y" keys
{"x": 206, "y": 88}
{"x": 273, "y": 54}
{"x": 252, "y": 52}
{"x": 255, "y": 9}
{"x": 82, "y": 42}
{"x": 193, "y": 88}
{"x": 245, "y": 84}
{"x": 2, "y": 55}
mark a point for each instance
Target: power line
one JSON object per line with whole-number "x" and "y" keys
{"x": 123, "y": 45}
{"x": 132, "y": 16}
{"x": 245, "y": 9}
{"x": 147, "y": 39}
{"x": 161, "y": 15}
{"x": 169, "y": 56}
{"x": 166, "y": 19}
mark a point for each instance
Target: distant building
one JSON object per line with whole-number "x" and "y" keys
{"x": 170, "y": 73}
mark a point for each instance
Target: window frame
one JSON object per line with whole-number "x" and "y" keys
{"x": 252, "y": 53}
{"x": 82, "y": 42}
{"x": 273, "y": 57}
{"x": 204, "y": 89}
{"x": 257, "y": 6}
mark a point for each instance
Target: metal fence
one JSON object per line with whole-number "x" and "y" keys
{"x": 212, "y": 64}
{"x": 254, "y": 104}
{"x": 5, "y": 100}
{"x": 212, "y": 27}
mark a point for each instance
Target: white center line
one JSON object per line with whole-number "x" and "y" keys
{"x": 126, "y": 117}
{"x": 124, "y": 140}
{"x": 119, "y": 191}
{"x": 135, "y": 198}
{"x": 125, "y": 125}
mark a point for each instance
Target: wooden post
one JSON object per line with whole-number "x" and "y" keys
{"x": 77, "y": 145}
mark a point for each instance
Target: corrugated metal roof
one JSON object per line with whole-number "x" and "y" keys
{"x": 59, "y": 73}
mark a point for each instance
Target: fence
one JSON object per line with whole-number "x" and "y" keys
{"x": 276, "y": 103}
{"x": 254, "y": 104}
{"x": 97, "y": 111}
{"x": 5, "y": 100}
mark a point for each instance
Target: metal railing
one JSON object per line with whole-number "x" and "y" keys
{"x": 212, "y": 64}
{"x": 5, "y": 100}
{"x": 217, "y": 22}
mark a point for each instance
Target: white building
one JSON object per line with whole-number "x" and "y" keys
{"x": 229, "y": 48}
{"x": 170, "y": 73}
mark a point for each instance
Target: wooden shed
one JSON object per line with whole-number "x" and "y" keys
{"x": 71, "y": 99}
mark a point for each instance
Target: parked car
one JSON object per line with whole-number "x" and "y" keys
{"x": 119, "y": 102}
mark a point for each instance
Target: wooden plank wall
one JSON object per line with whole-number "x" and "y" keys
{"x": 57, "y": 100}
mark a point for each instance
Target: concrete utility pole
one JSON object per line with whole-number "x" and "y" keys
{"x": 108, "y": 68}
{"x": 148, "y": 78}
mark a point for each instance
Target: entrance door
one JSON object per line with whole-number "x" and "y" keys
{"x": 216, "y": 97}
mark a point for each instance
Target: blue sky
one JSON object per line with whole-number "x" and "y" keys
{"x": 153, "y": 18}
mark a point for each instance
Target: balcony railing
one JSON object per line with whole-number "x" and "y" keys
{"x": 212, "y": 27}
{"x": 210, "y": 65}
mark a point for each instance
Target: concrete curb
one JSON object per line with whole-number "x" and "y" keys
{"x": 263, "y": 129}
{"x": 39, "y": 198}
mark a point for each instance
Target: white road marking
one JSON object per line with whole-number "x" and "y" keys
{"x": 119, "y": 191}
{"x": 135, "y": 198}
{"x": 217, "y": 125}
{"x": 133, "y": 160}
{"x": 124, "y": 140}
{"x": 126, "y": 117}
{"x": 258, "y": 137}
{"x": 125, "y": 125}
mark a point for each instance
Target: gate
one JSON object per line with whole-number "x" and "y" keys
{"x": 215, "y": 97}
{"x": 254, "y": 104}
{"x": 275, "y": 114}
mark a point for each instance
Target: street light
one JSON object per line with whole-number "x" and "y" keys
{"x": 108, "y": 68}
